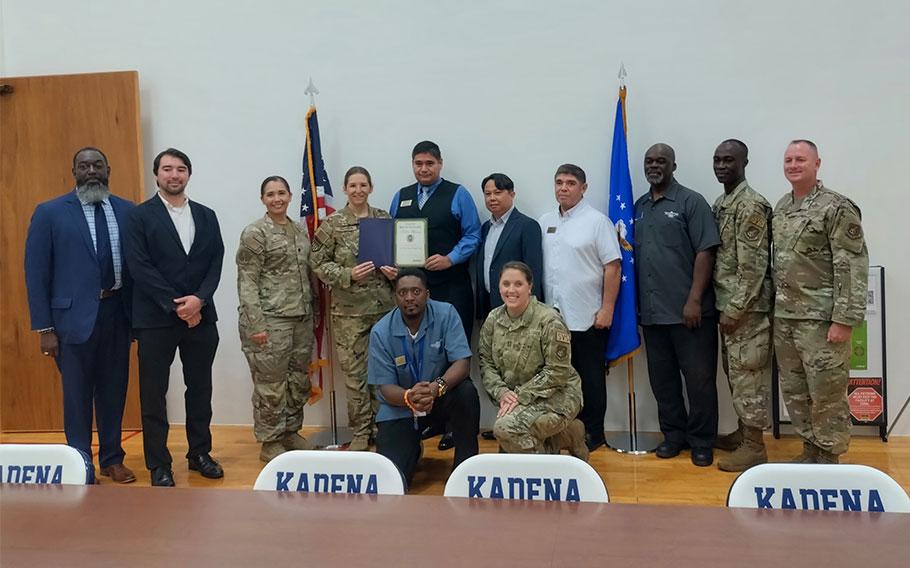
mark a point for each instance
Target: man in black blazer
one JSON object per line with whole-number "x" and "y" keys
{"x": 508, "y": 235}
{"x": 174, "y": 252}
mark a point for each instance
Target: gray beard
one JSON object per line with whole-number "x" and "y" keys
{"x": 93, "y": 192}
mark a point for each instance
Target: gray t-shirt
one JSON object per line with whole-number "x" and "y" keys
{"x": 669, "y": 233}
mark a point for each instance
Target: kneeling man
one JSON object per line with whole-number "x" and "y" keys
{"x": 420, "y": 360}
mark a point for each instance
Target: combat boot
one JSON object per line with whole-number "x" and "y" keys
{"x": 825, "y": 456}
{"x": 270, "y": 451}
{"x": 750, "y": 452}
{"x": 809, "y": 455}
{"x": 730, "y": 442}
{"x": 359, "y": 444}
{"x": 294, "y": 441}
{"x": 571, "y": 439}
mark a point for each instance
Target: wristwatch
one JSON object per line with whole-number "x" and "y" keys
{"x": 440, "y": 386}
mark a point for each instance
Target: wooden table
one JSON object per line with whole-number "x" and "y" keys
{"x": 119, "y": 526}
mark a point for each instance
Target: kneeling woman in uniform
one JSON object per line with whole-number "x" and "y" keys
{"x": 276, "y": 320}
{"x": 525, "y": 362}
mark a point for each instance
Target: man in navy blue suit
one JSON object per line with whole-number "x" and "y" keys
{"x": 78, "y": 297}
{"x": 175, "y": 251}
{"x": 508, "y": 235}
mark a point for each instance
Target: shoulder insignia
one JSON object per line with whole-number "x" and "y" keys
{"x": 757, "y": 219}
{"x": 562, "y": 352}
{"x": 854, "y": 231}
{"x": 563, "y": 336}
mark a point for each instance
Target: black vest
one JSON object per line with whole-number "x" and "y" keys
{"x": 443, "y": 231}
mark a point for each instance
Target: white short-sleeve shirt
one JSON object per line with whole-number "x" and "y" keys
{"x": 577, "y": 245}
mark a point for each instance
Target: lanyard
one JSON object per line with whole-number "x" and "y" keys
{"x": 415, "y": 364}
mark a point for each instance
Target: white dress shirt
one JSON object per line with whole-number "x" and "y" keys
{"x": 182, "y": 217}
{"x": 577, "y": 245}
{"x": 489, "y": 247}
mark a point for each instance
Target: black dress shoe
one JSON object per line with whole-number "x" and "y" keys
{"x": 702, "y": 457}
{"x": 205, "y": 465}
{"x": 162, "y": 477}
{"x": 594, "y": 443}
{"x": 447, "y": 442}
{"x": 668, "y": 449}
{"x": 487, "y": 435}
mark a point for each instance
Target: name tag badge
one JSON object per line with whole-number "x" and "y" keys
{"x": 551, "y": 230}
{"x": 405, "y": 203}
{"x": 400, "y": 361}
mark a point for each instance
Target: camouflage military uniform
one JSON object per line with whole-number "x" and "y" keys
{"x": 274, "y": 291}
{"x": 531, "y": 356}
{"x": 356, "y": 306}
{"x": 821, "y": 269}
{"x": 742, "y": 284}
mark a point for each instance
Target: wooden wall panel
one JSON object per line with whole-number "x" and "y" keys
{"x": 43, "y": 121}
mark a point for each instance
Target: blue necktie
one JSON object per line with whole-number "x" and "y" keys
{"x": 103, "y": 248}
{"x": 422, "y": 196}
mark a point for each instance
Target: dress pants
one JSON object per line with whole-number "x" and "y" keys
{"x": 399, "y": 440}
{"x": 98, "y": 372}
{"x": 157, "y": 347}
{"x": 673, "y": 349}
{"x": 589, "y": 350}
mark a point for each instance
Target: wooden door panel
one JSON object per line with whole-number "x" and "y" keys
{"x": 43, "y": 121}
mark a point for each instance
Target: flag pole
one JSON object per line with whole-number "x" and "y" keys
{"x": 333, "y": 438}
{"x": 631, "y": 442}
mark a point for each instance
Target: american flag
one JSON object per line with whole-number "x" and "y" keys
{"x": 316, "y": 192}
{"x": 315, "y": 206}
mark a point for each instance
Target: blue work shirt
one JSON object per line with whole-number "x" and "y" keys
{"x": 391, "y": 349}
{"x": 464, "y": 210}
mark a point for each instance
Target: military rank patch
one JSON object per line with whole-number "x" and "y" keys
{"x": 757, "y": 219}
{"x": 854, "y": 231}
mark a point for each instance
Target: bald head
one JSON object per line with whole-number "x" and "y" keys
{"x": 662, "y": 149}
{"x": 660, "y": 163}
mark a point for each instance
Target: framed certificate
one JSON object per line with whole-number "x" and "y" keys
{"x": 410, "y": 242}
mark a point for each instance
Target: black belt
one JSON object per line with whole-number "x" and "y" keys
{"x": 105, "y": 294}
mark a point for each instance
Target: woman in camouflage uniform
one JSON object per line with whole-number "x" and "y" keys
{"x": 361, "y": 295}
{"x": 525, "y": 362}
{"x": 276, "y": 320}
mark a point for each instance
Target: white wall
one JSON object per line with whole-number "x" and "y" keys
{"x": 518, "y": 87}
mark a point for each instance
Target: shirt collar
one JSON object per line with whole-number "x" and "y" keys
{"x": 106, "y": 201}
{"x": 573, "y": 211}
{"x": 430, "y": 188}
{"x": 400, "y": 329}
{"x": 167, "y": 204}
{"x": 734, "y": 195}
{"x": 670, "y": 194}
{"x": 504, "y": 219}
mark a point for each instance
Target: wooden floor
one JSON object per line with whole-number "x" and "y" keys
{"x": 629, "y": 479}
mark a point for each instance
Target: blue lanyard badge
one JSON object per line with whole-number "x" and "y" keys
{"x": 415, "y": 364}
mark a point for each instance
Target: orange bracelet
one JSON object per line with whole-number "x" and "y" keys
{"x": 408, "y": 402}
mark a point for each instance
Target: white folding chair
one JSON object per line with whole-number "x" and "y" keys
{"x": 527, "y": 476}
{"x": 43, "y": 463}
{"x": 826, "y": 487}
{"x": 331, "y": 472}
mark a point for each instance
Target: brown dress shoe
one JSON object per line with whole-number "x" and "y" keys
{"x": 118, "y": 473}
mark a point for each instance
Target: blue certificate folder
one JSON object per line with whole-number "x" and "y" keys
{"x": 376, "y": 239}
